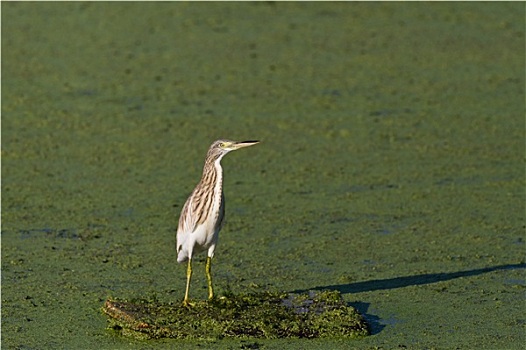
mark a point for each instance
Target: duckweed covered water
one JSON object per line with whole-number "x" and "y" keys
{"x": 391, "y": 167}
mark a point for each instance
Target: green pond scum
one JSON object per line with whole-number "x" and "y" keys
{"x": 391, "y": 170}
{"x": 257, "y": 315}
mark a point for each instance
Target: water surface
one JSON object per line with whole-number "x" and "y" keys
{"x": 391, "y": 166}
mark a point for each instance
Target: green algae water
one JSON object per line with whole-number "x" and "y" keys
{"x": 391, "y": 167}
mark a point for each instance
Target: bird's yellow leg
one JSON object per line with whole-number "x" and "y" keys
{"x": 188, "y": 277}
{"x": 209, "y": 277}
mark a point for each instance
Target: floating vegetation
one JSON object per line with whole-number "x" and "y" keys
{"x": 257, "y": 315}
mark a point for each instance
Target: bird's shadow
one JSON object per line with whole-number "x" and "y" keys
{"x": 399, "y": 282}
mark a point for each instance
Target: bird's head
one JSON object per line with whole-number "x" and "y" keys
{"x": 221, "y": 147}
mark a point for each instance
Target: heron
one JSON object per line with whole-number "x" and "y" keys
{"x": 202, "y": 216}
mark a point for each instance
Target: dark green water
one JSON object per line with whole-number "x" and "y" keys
{"x": 391, "y": 166}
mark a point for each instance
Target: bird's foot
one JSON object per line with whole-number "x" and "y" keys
{"x": 187, "y": 303}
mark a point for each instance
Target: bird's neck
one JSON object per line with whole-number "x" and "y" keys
{"x": 213, "y": 173}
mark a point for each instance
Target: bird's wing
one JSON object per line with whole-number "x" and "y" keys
{"x": 187, "y": 219}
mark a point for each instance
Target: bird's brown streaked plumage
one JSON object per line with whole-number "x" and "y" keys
{"x": 202, "y": 215}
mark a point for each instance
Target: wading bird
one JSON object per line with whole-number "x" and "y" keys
{"x": 202, "y": 215}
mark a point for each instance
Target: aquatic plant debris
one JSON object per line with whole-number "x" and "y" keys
{"x": 256, "y": 315}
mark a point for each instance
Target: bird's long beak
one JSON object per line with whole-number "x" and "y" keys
{"x": 242, "y": 144}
